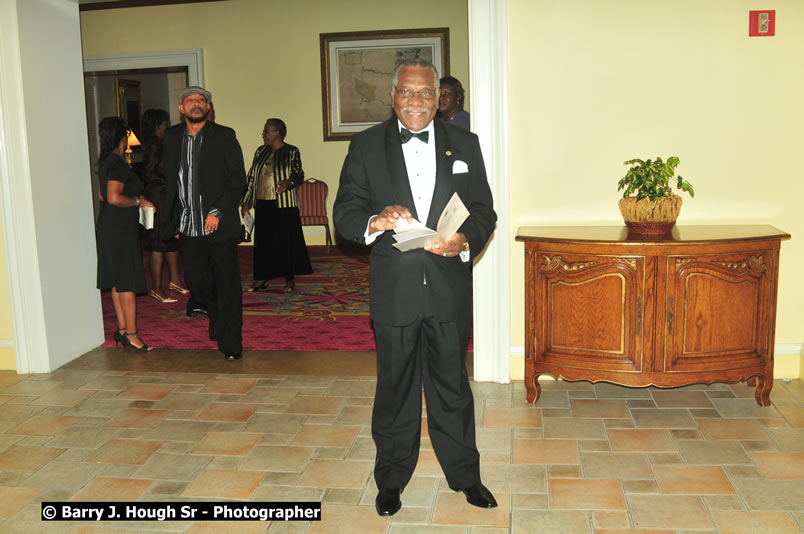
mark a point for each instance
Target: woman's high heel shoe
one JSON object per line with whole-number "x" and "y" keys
{"x": 120, "y": 339}
{"x": 177, "y": 287}
{"x": 290, "y": 285}
{"x": 143, "y": 348}
{"x": 257, "y": 285}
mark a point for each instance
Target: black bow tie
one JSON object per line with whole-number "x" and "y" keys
{"x": 405, "y": 135}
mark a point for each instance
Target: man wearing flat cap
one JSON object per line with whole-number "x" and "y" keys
{"x": 205, "y": 179}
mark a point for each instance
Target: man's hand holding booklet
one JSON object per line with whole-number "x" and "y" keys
{"x": 410, "y": 236}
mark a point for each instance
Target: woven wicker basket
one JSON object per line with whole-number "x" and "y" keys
{"x": 642, "y": 217}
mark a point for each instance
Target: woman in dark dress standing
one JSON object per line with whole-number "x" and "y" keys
{"x": 154, "y": 124}
{"x": 118, "y": 235}
{"x": 279, "y": 247}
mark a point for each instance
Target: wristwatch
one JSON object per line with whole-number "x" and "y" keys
{"x": 466, "y": 246}
{"x": 138, "y": 200}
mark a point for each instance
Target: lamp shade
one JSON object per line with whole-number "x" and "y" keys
{"x": 132, "y": 140}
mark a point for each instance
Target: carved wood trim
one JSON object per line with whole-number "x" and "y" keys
{"x": 557, "y": 262}
{"x": 755, "y": 263}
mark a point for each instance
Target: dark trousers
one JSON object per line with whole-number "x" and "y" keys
{"x": 212, "y": 273}
{"x": 431, "y": 353}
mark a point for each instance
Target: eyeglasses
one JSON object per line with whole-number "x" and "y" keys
{"x": 407, "y": 94}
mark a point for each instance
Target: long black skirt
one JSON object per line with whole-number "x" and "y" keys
{"x": 279, "y": 247}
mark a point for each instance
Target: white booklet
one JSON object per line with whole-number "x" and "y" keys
{"x": 248, "y": 222}
{"x": 147, "y": 217}
{"x": 410, "y": 236}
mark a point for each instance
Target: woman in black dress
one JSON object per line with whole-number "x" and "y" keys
{"x": 118, "y": 234}
{"x": 154, "y": 124}
{"x": 279, "y": 247}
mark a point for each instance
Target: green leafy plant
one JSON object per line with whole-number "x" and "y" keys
{"x": 652, "y": 178}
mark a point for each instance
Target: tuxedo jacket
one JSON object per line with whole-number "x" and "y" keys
{"x": 221, "y": 180}
{"x": 373, "y": 177}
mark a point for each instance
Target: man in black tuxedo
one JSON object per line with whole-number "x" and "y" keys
{"x": 421, "y": 300}
{"x": 205, "y": 178}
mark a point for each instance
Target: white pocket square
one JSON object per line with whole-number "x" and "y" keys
{"x": 459, "y": 166}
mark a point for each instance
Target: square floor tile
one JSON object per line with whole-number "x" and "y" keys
{"x": 527, "y": 417}
{"x": 325, "y": 436}
{"x": 641, "y": 440}
{"x": 218, "y": 484}
{"x": 452, "y": 509}
{"x": 227, "y": 412}
{"x": 226, "y": 444}
{"x": 335, "y": 474}
{"x": 152, "y": 392}
{"x": 692, "y": 479}
{"x": 547, "y": 451}
{"x": 780, "y": 465}
{"x": 136, "y": 418}
{"x": 669, "y": 512}
{"x": 45, "y": 425}
{"x": 599, "y": 408}
{"x": 125, "y": 451}
{"x": 755, "y": 522}
{"x": 229, "y": 386}
{"x": 586, "y": 495}
{"x": 19, "y": 458}
{"x": 108, "y": 489}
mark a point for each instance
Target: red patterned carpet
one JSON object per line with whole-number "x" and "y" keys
{"x": 328, "y": 311}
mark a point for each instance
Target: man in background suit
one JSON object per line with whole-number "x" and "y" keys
{"x": 421, "y": 300}
{"x": 205, "y": 179}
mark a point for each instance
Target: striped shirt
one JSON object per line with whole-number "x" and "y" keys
{"x": 191, "y": 220}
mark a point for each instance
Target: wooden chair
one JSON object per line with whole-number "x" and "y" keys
{"x": 312, "y": 195}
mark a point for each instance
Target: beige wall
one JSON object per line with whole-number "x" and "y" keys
{"x": 593, "y": 84}
{"x": 6, "y": 334}
{"x": 262, "y": 59}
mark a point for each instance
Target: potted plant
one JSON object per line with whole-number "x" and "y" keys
{"x": 649, "y": 205}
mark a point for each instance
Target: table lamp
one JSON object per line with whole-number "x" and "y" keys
{"x": 132, "y": 141}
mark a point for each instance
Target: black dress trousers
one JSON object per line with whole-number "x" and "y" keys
{"x": 430, "y": 353}
{"x": 212, "y": 273}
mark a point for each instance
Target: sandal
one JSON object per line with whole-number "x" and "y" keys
{"x": 160, "y": 298}
{"x": 177, "y": 287}
{"x": 142, "y": 348}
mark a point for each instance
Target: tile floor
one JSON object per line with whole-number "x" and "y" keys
{"x": 188, "y": 426}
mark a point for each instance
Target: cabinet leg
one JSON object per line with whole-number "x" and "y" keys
{"x": 534, "y": 390}
{"x": 763, "y": 390}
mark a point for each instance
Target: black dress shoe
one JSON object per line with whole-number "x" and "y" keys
{"x": 196, "y": 311}
{"x": 233, "y": 356}
{"x": 387, "y": 501}
{"x": 478, "y": 495}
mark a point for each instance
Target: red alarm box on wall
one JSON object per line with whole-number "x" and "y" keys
{"x": 762, "y": 23}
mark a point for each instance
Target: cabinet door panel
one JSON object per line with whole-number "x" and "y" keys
{"x": 590, "y": 311}
{"x": 717, "y": 308}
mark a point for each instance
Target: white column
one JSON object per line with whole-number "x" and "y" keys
{"x": 488, "y": 66}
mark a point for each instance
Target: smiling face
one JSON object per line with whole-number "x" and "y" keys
{"x": 415, "y": 112}
{"x": 194, "y": 108}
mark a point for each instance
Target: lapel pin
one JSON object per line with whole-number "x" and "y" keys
{"x": 449, "y": 152}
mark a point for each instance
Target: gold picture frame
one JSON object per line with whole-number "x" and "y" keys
{"x": 357, "y": 69}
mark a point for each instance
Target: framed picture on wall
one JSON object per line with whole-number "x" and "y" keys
{"x": 357, "y": 69}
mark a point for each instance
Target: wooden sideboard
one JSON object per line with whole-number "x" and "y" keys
{"x": 698, "y": 306}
